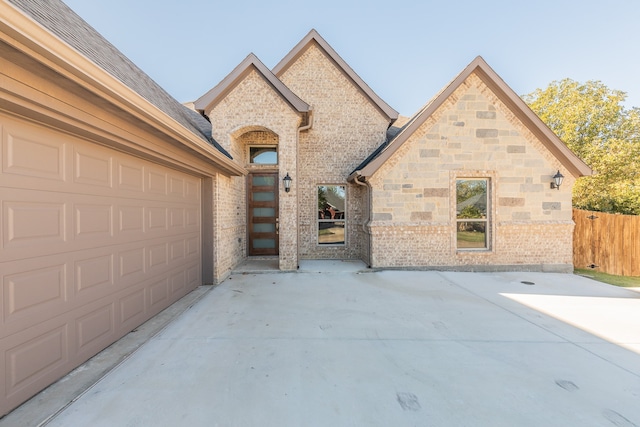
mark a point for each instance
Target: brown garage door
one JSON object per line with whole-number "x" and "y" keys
{"x": 93, "y": 243}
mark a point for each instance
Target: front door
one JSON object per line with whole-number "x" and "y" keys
{"x": 263, "y": 213}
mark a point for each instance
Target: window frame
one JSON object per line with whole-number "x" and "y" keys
{"x": 342, "y": 220}
{"x": 273, "y": 146}
{"x": 488, "y": 220}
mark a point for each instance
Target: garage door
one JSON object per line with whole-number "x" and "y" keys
{"x": 93, "y": 243}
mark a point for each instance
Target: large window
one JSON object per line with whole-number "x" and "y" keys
{"x": 472, "y": 220}
{"x": 331, "y": 214}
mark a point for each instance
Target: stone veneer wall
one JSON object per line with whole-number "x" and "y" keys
{"x": 249, "y": 108}
{"x": 473, "y": 134}
{"x": 347, "y": 127}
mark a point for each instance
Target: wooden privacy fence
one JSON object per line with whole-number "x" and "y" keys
{"x": 606, "y": 242}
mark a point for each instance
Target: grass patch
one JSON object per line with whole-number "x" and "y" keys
{"x": 622, "y": 281}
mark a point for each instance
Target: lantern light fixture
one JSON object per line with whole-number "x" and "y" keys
{"x": 287, "y": 182}
{"x": 557, "y": 180}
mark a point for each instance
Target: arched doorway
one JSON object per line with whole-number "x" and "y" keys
{"x": 260, "y": 149}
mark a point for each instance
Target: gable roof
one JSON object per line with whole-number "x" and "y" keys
{"x": 251, "y": 62}
{"x": 522, "y": 111}
{"x": 312, "y": 37}
{"x": 63, "y": 23}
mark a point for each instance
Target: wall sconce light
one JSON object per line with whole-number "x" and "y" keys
{"x": 287, "y": 182}
{"x": 557, "y": 180}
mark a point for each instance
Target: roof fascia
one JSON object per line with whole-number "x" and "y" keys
{"x": 489, "y": 77}
{"x": 314, "y": 36}
{"x": 251, "y": 62}
{"x": 28, "y": 36}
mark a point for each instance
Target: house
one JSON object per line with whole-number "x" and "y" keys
{"x": 116, "y": 200}
{"x": 400, "y": 186}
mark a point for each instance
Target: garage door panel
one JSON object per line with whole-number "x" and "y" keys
{"x": 131, "y": 221}
{"x": 27, "y": 223}
{"x": 159, "y": 294}
{"x": 32, "y": 358}
{"x": 178, "y": 283}
{"x": 94, "y": 276}
{"x": 132, "y": 309}
{"x": 157, "y": 258}
{"x": 93, "y": 242}
{"x": 30, "y": 295}
{"x": 34, "y": 154}
{"x": 93, "y": 221}
{"x": 131, "y": 263}
{"x": 193, "y": 276}
{"x": 93, "y": 166}
{"x": 130, "y": 177}
{"x": 95, "y": 328}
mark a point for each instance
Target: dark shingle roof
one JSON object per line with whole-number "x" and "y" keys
{"x": 58, "y": 18}
{"x": 392, "y": 132}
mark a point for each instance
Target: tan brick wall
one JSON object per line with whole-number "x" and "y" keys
{"x": 253, "y": 111}
{"x": 473, "y": 134}
{"x": 229, "y": 240}
{"x": 347, "y": 127}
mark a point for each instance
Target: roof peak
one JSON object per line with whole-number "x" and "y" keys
{"x": 492, "y": 80}
{"x": 218, "y": 92}
{"x": 314, "y": 36}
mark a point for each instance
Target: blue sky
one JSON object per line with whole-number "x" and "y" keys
{"x": 405, "y": 50}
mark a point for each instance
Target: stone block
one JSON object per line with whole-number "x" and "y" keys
{"x": 511, "y": 201}
{"x": 551, "y": 206}
{"x": 436, "y": 192}
{"x": 378, "y": 216}
{"x": 521, "y": 215}
{"x": 485, "y": 114}
{"x": 531, "y": 188}
{"x": 487, "y": 133}
{"x": 429, "y": 152}
{"x": 516, "y": 149}
{"x": 421, "y": 216}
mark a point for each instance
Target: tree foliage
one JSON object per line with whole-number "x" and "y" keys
{"x": 592, "y": 120}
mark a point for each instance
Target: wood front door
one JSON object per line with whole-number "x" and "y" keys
{"x": 263, "y": 213}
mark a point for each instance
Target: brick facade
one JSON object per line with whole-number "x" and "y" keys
{"x": 346, "y": 129}
{"x": 253, "y": 113}
{"x": 404, "y": 213}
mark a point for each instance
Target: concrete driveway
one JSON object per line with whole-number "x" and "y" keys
{"x": 347, "y": 347}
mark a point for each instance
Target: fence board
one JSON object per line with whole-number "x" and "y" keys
{"x": 612, "y": 242}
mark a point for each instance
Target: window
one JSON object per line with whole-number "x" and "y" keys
{"x": 472, "y": 222}
{"x": 331, "y": 214}
{"x": 263, "y": 155}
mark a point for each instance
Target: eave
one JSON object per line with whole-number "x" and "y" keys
{"x": 24, "y": 34}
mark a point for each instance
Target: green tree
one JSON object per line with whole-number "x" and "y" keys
{"x": 592, "y": 120}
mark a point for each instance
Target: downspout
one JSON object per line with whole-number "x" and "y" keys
{"x": 300, "y": 129}
{"x": 366, "y": 221}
